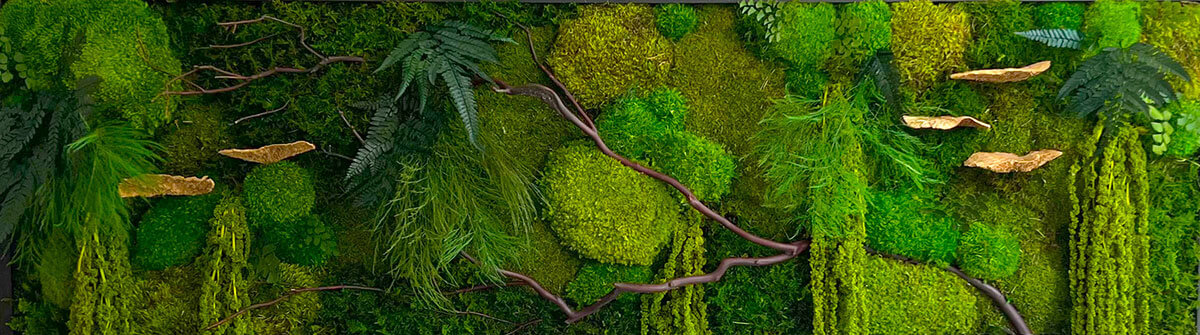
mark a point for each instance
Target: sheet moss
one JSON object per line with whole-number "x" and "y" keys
{"x": 917, "y": 299}
{"x": 929, "y": 41}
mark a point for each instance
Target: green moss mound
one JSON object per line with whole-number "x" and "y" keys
{"x": 804, "y": 33}
{"x": 988, "y": 253}
{"x": 1113, "y": 23}
{"x": 1173, "y": 257}
{"x": 1185, "y": 141}
{"x": 604, "y": 210}
{"x": 276, "y": 193}
{"x": 994, "y": 24}
{"x": 1175, "y": 29}
{"x": 307, "y": 241}
{"x": 546, "y": 259}
{"x": 595, "y": 280}
{"x": 608, "y": 50}
{"x": 1059, "y": 15}
{"x": 862, "y": 28}
{"x": 928, "y": 41}
{"x": 194, "y": 141}
{"x": 903, "y": 223}
{"x": 917, "y": 299}
{"x": 675, "y": 20}
{"x": 122, "y": 42}
{"x": 172, "y": 232}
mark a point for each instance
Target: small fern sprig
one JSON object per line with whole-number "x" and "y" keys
{"x": 1058, "y": 38}
{"x": 398, "y": 132}
{"x": 449, "y": 52}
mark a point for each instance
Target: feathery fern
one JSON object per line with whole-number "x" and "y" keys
{"x": 35, "y": 132}
{"x": 763, "y": 12}
{"x": 1058, "y": 38}
{"x": 397, "y": 131}
{"x": 449, "y": 52}
{"x": 1122, "y": 80}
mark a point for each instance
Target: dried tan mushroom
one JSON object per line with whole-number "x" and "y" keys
{"x": 153, "y": 185}
{"x": 271, "y": 153}
{"x": 943, "y": 122}
{"x": 1004, "y": 162}
{"x": 1004, "y": 75}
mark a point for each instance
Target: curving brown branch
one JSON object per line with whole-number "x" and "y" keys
{"x": 1014, "y": 317}
{"x": 243, "y": 80}
{"x": 289, "y": 294}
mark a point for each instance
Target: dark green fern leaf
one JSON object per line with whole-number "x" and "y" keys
{"x": 399, "y": 132}
{"x": 1122, "y": 81}
{"x": 464, "y": 101}
{"x": 1058, "y": 38}
{"x": 887, "y": 81}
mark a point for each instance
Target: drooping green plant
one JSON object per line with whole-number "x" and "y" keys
{"x": 606, "y": 211}
{"x": 1119, "y": 81}
{"x": 224, "y": 264}
{"x": 449, "y": 52}
{"x": 675, "y": 20}
{"x": 987, "y": 252}
{"x": 172, "y": 232}
{"x": 683, "y": 310}
{"x": 594, "y": 280}
{"x": 278, "y": 193}
{"x": 455, "y": 200}
{"x": 35, "y": 132}
{"x": 609, "y": 50}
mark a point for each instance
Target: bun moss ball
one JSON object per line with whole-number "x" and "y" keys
{"x": 172, "y": 232}
{"x": 279, "y": 192}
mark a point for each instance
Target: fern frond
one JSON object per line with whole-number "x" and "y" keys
{"x": 406, "y": 47}
{"x": 1058, "y": 38}
{"x": 1152, "y": 56}
{"x": 464, "y": 101}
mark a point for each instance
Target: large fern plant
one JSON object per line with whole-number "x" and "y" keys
{"x": 1118, "y": 81}
{"x": 33, "y": 133}
{"x": 398, "y": 132}
{"x": 449, "y": 53}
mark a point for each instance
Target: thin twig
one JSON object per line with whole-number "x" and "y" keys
{"x": 523, "y": 325}
{"x": 273, "y": 111}
{"x": 238, "y": 45}
{"x": 334, "y": 154}
{"x": 482, "y": 315}
{"x": 356, "y": 135}
{"x": 483, "y": 287}
{"x": 289, "y": 294}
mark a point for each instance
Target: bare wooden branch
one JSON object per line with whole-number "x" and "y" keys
{"x": 287, "y": 295}
{"x": 273, "y": 111}
{"x": 347, "y": 121}
{"x": 483, "y": 287}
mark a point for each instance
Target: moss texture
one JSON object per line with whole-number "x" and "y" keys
{"x": 675, "y": 20}
{"x": 804, "y": 32}
{"x": 988, "y": 253}
{"x": 929, "y": 41}
{"x": 278, "y": 193}
{"x": 172, "y": 232}
{"x": 608, "y": 50}
{"x": 1186, "y": 139}
{"x": 917, "y": 299}
{"x": 904, "y": 223}
{"x": 594, "y": 280}
{"x": 863, "y": 28}
{"x": 1175, "y": 29}
{"x": 1173, "y": 252}
{"x": 994, "y": 24}
{"x": 306, "y": 241}
{"x": 592, "y": 207}
{"x": 1113, "y": 23}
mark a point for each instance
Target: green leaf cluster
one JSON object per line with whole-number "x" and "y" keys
{"x": 1185, "y": 140}
{"x": 398, "y": 129}
{"x": 917, "y": 299}
{"x": 758, "y": 19}
{"x": 306, "y": 241}
{"x": 10, "y": 56}
{"x": 988, "y": 252}
{"x": 675, "y": 20}
{"x": 651, "y": 129}
{"x": 1121, "y": 81}
{"x": 122, "y": 42}
{"x": 594, "y": 280}
{"x": 172, "y": 232}
{"x": 609, "y": 50}
{"x": 604, "y": 210}
{"x": 928, "y": 40}
{"x": 1113, "y": 23}
{"x": 863, "y": 28}
{"x": 449, "y": 53}
{"x": 278, "y": 193}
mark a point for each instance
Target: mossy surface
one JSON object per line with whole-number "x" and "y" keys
{"x": 608, "y": 50}
{"x": 1113, "y": 23}
{"x": 986, "y": 252}
{"x": 1175, "y": 29}
{"x": 594, "y": 280}
{"x": 675, "y": 20}
{"x": 278, "y": 193}
{"x": 994, "y": 24}
{"x": 863, "y": 28}
{"x": 929, "y": 41}
{"x": 172, "y": 232}
{"x": 804, "y": 32}
{"x": 305, "y": 241}
{"x": 908, "y": 224}
{"x": 1173, "y": 252}
{"x": 917, "y": 299}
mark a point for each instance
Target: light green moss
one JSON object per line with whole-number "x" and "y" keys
{"x": 863, "y": 28}
{"x": 929, "y": 41}
{"x": 594, "y": 280}
{"x": 1175, "y": 29}
{"x": 804, "y": 32}
{"x": 608, "y": 50}
{"x": 917, "y": 299}
{"x": 278, "y": 193}
{"x": 545, "y": 259}
{"x": 910, "y": 224}
{"x": 1113, "y": 23}
{"x": 604, "y": 210}
{"x": 988, "y": 253}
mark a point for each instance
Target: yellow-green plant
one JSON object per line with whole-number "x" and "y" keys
{"x": 928, "y": 40}
{"x": 225, "y": 288}
{"x": 608, "y": 50}
{"x": 683, "y": 310}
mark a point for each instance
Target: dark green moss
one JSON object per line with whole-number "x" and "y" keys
{"x": 277, "y": 193}
{"x": 675, "y": 20}
{"x": 756, "y": 300}
{"x": 172, "y": 232}
{"x": 193, "y": 139}
{"x": 307, "y": 241}
{"x": 544, "y": 258}
{"x": 594, "y": 280}
{"x": 994, "y": 24}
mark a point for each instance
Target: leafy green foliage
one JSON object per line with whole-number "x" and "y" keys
{"x": 450, "y": 53}
{"x": 1058, "y": 38}
{"x": 1160, "y": 129}
{"x": 1109, "y": 243}
{"x": 608, "y": 50}
{"x": 594, "y": 280}
{"x": 1175, "y": 29}
{"x": 863, "y": 28}
{"x": 278, "y": 193}
{"x": 172, "y": 232}
{"x": 1058, "y": 15}
{"x": 804, "y": 33}
{"x": 917, "y": 299}
{"x": 38, "y": 318}
{"x": 908, "y": 224}
{"x": 225, "y": 262}
{"x": 675, "y": 20}
{"x": 604, "y": 210}
{"x": 928, "y": 41}
{"x": 456, "y": 200}
{"x": 397, "y": 129}
{"x": 35, "y": 131}
{"x": 122, "y": 42}
{"x": 1122, "y": 80}
{"x": 1113, "y": 23}
{"x": 1186, "y": 138}
{"x": 988, "y": 253}
{"x": 306, "y": 241}
{"x": 10, "y": 56}
{"x": 652, "y": 129}
{"x": 762, "y": 14}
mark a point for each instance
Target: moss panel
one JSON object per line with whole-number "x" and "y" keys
{"x": 929, "y": 41}
{"x": 728, "y": 90}
{"x": 545, "y": 259}
{"x": 1112, "y": 23}
{"x": 917, "y": 299}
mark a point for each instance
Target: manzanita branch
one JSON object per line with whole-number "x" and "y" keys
{"x": 243, "y": 80}
{"x": 287, "y": 295}
{"x": 1014, "y": 317}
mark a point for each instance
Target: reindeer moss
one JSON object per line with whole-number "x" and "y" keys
{"x": 604, "y": 210}
{"x": 1112, "y": 23}
{"x": 608, "y": 50}
{"x": 929, "y": 41}
{"x": 1175, "y": 29}
{"x": 917, "y": 299}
